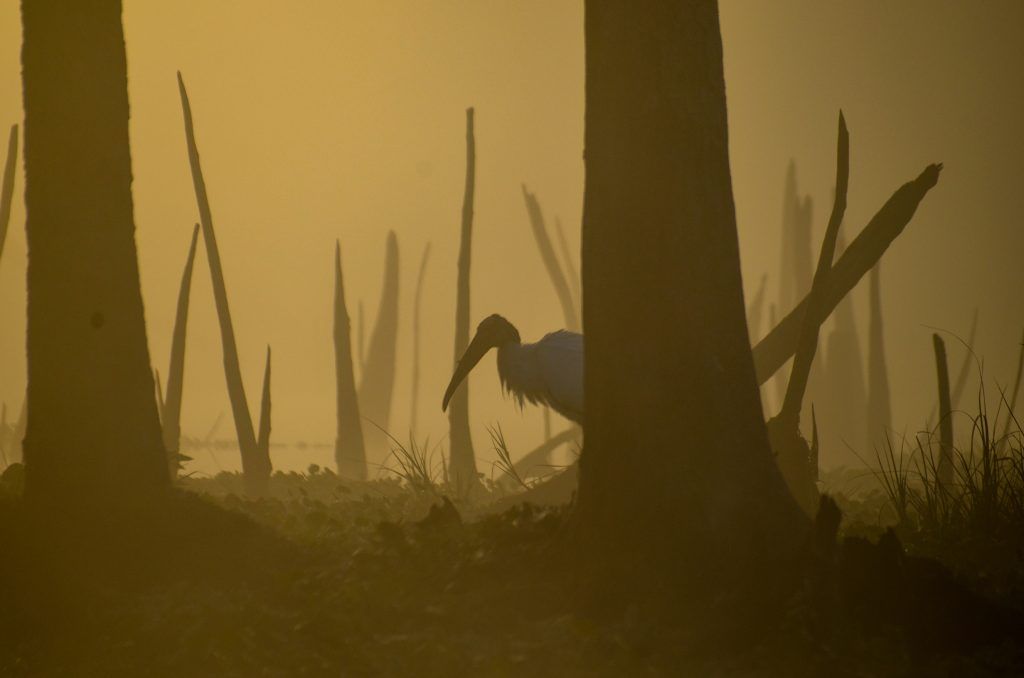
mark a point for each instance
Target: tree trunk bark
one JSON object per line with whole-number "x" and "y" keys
{"x": 677, "y": 472}
{"x": 93, "y": 427}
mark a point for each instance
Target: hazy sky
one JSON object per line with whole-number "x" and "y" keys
{"x": 319, "y": 120}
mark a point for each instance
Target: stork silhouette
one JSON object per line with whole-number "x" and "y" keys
{"x": 548, "y": 372}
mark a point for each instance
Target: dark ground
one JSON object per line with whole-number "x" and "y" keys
{"x": 332, "y": 579}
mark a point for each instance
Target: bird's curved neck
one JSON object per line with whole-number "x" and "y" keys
{"x": 515, "y": 368}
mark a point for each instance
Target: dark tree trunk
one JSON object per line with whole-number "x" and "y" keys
{"x": 677, "y": 470}
{"x": 93, "y": 427}
{"x": 463, "y": 474}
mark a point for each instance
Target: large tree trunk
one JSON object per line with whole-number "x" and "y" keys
{"x": 93, "y": 427}
{"x": 463, "y": 474}
{"x": 677, "y": 470}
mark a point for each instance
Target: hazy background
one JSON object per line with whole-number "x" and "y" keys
{"x": 319, "y": 120}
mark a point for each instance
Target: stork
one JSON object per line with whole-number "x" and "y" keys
{"x": 548, "y": 372}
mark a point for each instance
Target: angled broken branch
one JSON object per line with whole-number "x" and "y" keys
{"x": 778, "y": 346}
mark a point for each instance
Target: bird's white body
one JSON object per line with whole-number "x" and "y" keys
{"x": 548, "y": 372}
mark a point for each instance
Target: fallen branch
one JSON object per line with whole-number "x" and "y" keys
{"x": 780, "y": 344}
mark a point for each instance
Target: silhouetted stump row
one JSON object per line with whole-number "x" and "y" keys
{"x": 93, "y": 427}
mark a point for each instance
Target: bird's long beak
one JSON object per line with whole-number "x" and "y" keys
{"x": 476, "y": 350}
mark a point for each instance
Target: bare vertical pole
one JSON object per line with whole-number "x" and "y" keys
{"x": 945, "y": 466}
{"x": 263, "y": 438}
{"x": 418, "y": 301}
{"x": 463, "y": 460}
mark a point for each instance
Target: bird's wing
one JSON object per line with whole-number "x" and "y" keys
{"x": 560, "y": 355}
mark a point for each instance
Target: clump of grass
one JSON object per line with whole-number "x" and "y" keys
{"x": 422, "y": 467}
{"x": 893, "y": 474}
{"x": 981, "y": 491}
{"x": 504, "y": 461}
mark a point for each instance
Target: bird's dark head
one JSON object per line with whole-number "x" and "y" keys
{"x": 493, "y": 332}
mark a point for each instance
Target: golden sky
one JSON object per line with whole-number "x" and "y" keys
{"x": 319, "y": 120}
